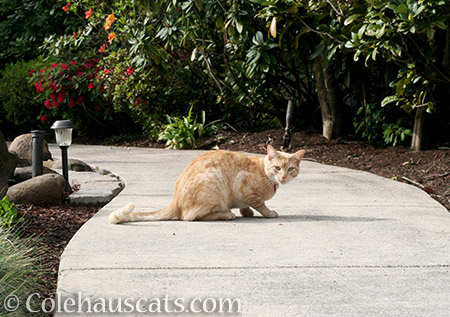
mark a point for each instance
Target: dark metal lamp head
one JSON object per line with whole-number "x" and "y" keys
{"x": 63, "y": 132}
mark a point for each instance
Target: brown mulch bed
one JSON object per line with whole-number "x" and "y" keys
{"x": 430, "y": 169}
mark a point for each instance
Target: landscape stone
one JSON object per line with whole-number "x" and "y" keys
{"x": 24, "y": 173}
{"x": 44, "y": 190}
{"x": 74, "y": 165}
{"x": 8, "y": 162}
{"x": 23, "y": 147}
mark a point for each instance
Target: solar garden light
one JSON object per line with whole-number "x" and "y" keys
{"x": 38, "y": 149}
{"x": 63, "y": 133}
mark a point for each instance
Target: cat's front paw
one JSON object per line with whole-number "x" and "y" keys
{"x": 271, "y": 214}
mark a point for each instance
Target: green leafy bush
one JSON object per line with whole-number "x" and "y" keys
{"x": 20, "y": 273}
{"x": 24, "y": 24}
{"x": 20, "y": 107}
{"x": 186, "y": 132}
{"x": 8, "y": 213}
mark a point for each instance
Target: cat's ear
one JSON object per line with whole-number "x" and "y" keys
{"x": 297, "y": 156}
{"x": 271, "y": 152}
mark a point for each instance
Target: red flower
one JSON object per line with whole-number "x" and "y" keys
{"x": 80, "y": 73}
{"x": 96, "y": 108}
{"x": 55, "y": 103}
{"x": 74, "y": 34}
{"x": 80, "y": 100}
{"x": 66, "y": 7}
{"x": 47, "y": 103}
{"x": 73, "y": 63}
{"x": 107, "y": 71}
{"x": 137, "y": 103}
{"x": 102, "y": 48}
{"x": 91, "y": 85}
{"x": 71, "y": 103}
{"x": 88, "y": 14}
{"x": 44, "y": 118}
{"x": 31, "y": 72}
{"x": 53, "y": 66}
{"x": 64, "y": 66}
{"x": 61, "y": 96}
{"x": 38, "y": 86}
{"x": 130, "y": 71}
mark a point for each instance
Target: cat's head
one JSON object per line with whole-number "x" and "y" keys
{"x": 282, "y": 167}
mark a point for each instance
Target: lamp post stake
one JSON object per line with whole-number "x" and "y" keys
{"x": 37, "y": 156}
{"x": 65, "y": 167}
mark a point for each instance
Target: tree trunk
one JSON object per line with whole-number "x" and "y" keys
{"x": 288, "y": 127}
{"x": 329, "y": 100}
{"x": 418, "y": 139}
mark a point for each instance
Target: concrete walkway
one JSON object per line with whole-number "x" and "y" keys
{"x": 347, "y": 243}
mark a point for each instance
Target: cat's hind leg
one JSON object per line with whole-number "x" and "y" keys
{"x": 246, "y": 212}
{"x": 220, "y": 215}
{"x": 206, "y": 212}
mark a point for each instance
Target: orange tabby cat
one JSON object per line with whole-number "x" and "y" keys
{"x": 216, "y": 181}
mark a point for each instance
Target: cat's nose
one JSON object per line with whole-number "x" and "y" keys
{"x": 283, "y": 177}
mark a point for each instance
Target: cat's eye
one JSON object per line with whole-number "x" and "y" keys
{"x": 291, "y": 169}
{"x": 277, "y": 168}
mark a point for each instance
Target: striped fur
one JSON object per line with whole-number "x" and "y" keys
{"x": 217, "y": 181}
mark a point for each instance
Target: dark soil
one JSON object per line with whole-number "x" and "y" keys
{"x": 429, "y": 170}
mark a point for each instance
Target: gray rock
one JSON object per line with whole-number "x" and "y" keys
{"x": 24, "y": 173}
{"x": 44, "y": 190}
{"x": 94, "y": 189}
{"x": 74, "y": 165}
{"x": 23, "y": 147}
{"x": 8, "y": 162}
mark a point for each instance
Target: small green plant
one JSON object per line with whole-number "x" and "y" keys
{"x": 396, "y": 133}
{"x": 186, "y": 132}
{"x": 8, "y": 213}
{"x": 368, "y": 122}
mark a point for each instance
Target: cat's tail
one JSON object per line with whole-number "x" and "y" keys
{"x": 126, "y": 214}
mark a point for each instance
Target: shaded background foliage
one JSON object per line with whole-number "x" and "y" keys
{"x": 378, "y": 68}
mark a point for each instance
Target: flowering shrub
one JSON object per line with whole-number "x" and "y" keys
{"x": 134, "y": 73}
{"x": 70, "y": 93}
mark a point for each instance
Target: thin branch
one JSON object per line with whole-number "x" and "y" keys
{"x": 334, "y": 8}
{"x": 318, "y": 32}
{"x": 428, "y": 60}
